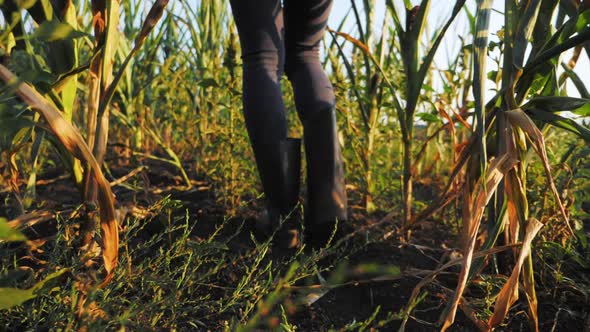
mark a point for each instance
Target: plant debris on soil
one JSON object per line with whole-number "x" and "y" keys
{"x": 182, "y": 240}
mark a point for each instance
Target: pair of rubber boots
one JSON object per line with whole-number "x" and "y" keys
{"x": 279, "y": 166}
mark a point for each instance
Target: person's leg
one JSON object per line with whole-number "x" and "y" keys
{"x": 260, "y": 28}
{"x": 305, "y": 24}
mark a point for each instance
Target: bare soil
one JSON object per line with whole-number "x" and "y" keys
{"x": 428, "y": 249}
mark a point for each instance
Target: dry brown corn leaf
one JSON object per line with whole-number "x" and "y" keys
{"x": 520, "y": 119}
{"x": 74, "y": 143}
{"x": 509, "y": 293}
{"x": 482, "y": 195}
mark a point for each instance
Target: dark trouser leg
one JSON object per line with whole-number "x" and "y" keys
{"x": 305, "y": 23}
{"x": 260, "y": 27}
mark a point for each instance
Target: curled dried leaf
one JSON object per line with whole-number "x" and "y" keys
{"x": 519, "y": 119}
{"x": 509, "y": 293}
{"x": 482, "y": 195}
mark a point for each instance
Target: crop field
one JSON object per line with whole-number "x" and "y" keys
{"x": 130, "y": 192}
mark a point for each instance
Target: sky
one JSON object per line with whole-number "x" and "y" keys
{"x": 439, "y": 12}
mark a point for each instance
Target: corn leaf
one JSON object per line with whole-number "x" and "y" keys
{"x": 561, "y": 122}
{"x": 11, "y": 297}
{"x": 69, "y": 86}
{"x": 552, "y": 52}
{"x": 509, "y": 293}
{"x": 73, "y": 141}
{"x": 429, "y": 58}
{"x": 575, "y": 78}
{"x": 524, "y": 32}
{"x": 580, "y": 106}
{"x": 9, "y": 234}
{"x": 54, "y": 30}
{"x": 520, "y": 119}
{"x": 482, "y": 195}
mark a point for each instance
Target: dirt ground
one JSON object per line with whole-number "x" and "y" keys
{"x": 357, "y": 299}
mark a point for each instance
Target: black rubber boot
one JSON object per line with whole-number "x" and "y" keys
{"x": 326, "y": 194}
{"x": 279, "y": 166}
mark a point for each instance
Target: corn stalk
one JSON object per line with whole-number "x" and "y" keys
{"x": 74, "y": 143}
{"x": 507, "y": 126}
{"x": 416, "y": 70}
{"x": 55, "y": 102}
{"x": 378, "y": 75}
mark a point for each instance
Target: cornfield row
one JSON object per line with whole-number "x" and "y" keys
{"x": 82, "y": 76}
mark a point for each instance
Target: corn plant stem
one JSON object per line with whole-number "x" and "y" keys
{"x": 415, "y": 75}
{"x": 502, "y": 130}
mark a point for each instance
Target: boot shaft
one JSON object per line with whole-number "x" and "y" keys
{"x": 279, "y": 167}
{"x": 326, "y": 194}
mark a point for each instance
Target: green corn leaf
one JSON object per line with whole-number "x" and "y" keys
{"x": 580, "y": 106}
{"x": 575, "y": 78}
{"x": 562, "y": 40}
{"x": 429, "y": 117}
{"x": 427, "y": 62}
{"x": 55, "y": 30}
{"x": 396, "y": 20}
{"x": 524, "y": 32}
{"x": 419, "y": 19}
{"x": 583, "y": 111}
{"x": 11, "y": 297}
{"x": 575, "y": 24}
{"x": 561, "y": 122}
{"x": 544, "y": 25}
{"x": 9, "y": 234}
{"x": 69, "y": 88}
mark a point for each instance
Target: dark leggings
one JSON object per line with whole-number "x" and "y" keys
{"x": 277, "y": 39}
